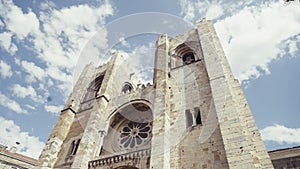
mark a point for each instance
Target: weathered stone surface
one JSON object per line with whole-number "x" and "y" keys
{"x": 193, "y": 116}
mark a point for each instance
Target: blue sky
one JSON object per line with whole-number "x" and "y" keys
{"x": 40, "y": 43}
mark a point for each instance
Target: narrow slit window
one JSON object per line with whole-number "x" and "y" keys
{"x": 71, "y": 147}
{"x": 101, "y": 149}
{"x": 74, "y": 147}
{"x": 198, "y": 116}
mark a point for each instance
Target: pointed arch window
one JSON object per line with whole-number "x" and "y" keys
{"x": 73, "y": 148}
{"x": 185, "y": 53}
{"x": 93, "y": 88}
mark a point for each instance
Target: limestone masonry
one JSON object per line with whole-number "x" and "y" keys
{"x": 194, "y": 116}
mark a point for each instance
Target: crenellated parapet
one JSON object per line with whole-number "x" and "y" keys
{"x": 139, "y": 88}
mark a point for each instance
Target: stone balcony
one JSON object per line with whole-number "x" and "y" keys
{"x": 129, "y": 158}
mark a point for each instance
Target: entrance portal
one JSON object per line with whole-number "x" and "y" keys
{"x": 126, "y": 167}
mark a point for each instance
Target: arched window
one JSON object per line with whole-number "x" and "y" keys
{"x": 127, "y": 87}
{"x": 93, "y": 88}
{"x": 188, "y": 58}
{"x": 185, "y": 53}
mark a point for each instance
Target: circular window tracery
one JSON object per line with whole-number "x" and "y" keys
{"x": 135, "y": 134}
{"x": 130, "y": 129}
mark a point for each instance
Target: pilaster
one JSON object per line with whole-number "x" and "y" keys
{"x": 160, "y": 153}
{"x": 235, "y": 126}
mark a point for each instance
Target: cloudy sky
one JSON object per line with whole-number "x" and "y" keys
{"x": 41, "y": 43}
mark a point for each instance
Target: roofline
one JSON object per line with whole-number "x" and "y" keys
{"x": 289, "y": 148}
{"x": 20, "y": 157}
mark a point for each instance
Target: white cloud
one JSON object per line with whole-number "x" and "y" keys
{"x": 11, "y": 133}
{"x": 251, "y": 32}
{"x": 30, "y": 107}
{"x": 28, "y": 91}
{"x": 11, "y": 104}
{"x": 195, "y": 10}
{"x": 57, "y": 74}
{"x": 30, "y": 78}
{"x": 56, "y": 37}
{"x": 23, "y": 92}
{"x": 124, "y": 42}
{"x": 281, "y": 134}
{"x": 214, "y": 11}
{"x": 6, "y": 43}
{"x": 66, "y": 31}
{"x": 290, "y": 45}
{"x": 252, "y": 37}
{"x": 17, "y": 61}
{"x": 33, "y": 70}
{"x": 141, "y": 60}
{"x": 21, "y": 24}
{"x": 47, "y": 5}
{"x": 50, "y": 83}
{"x": 5, "y": 70}
{"x": 55, "y": 110}
{"x": 187, "y": 10}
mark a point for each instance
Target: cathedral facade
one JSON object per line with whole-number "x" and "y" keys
{"x": 194, "y": 115}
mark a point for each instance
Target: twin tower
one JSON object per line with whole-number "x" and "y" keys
{"x": 193, "y": 116}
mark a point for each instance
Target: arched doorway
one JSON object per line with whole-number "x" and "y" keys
{"x": 126, "y": 167}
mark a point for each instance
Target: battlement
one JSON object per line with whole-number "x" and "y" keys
{"x": 140, "y": 91}
{"x": 101, "y": 67}
{"x": 140, "y": 87}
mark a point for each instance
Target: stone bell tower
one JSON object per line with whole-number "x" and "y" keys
{"x": 194, "y": 115}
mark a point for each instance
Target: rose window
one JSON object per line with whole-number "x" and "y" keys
{"x": 130, "y": 129}
{"x": 135, "y": 134}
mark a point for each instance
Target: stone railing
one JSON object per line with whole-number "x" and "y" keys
{"x": 119, "y": 158}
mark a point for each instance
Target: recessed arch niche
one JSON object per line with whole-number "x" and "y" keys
{"x": 93, "y": 88}
{"x": 183, "y": 54}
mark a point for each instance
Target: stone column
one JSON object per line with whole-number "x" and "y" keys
{"x": 160, "y": 152}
